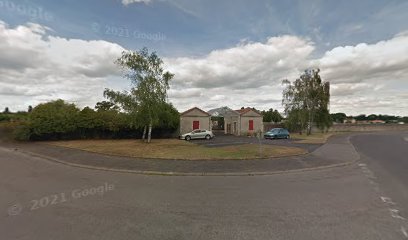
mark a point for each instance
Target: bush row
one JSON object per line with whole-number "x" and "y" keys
{"x": 58, "y": 120}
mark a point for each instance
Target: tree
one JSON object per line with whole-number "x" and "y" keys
{"x": 30, "y": 109}
{"x": 169, "y": 117}
{"x": 6, "y": 110}
{"x": 149, "y": 92}
{"x": 106, "y": 106}
{"x": 306, "y": 97}
{"x": 271, "y": 116}
{"x": 338, "y": 117}
{"x": 361, "y": 117}
{"x": 323, "y": 119}
{"x": 55, "y": 119}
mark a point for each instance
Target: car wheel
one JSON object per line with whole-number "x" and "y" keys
{"x": 287, "y": 137}
{"x": 188, "y": 138}
{"x": 208, "y": 137}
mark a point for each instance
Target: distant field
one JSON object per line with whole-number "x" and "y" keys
{"x": 178, "y": 149}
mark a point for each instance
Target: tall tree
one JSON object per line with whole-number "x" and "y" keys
{"x": 30, "y": 109}
{"x": 306, "y": 97}
{"x": 6, "y": 110}
{"x": 150, "y": 83}
{"x": 271, "y": 116}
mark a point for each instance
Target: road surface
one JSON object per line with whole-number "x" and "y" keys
{"x": 43, "y": 200}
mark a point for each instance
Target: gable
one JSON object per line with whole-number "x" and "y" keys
{"x": 195, "y": 112}
{"x": 251, "y": 113}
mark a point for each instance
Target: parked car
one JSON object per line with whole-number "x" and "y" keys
{"x": 276, "y": 133}
{"x": 198, "y": 134}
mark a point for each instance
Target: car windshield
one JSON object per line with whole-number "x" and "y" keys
{"x": 203, "y": 119}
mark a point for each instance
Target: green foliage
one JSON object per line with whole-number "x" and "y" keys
{"x": 56, "y": 117}
{"x": 296, "y": 120}
{"x": 60, "y": 120}
{"x": 386, "y": 118}
{"x": 271, "y": 116}
{"x": 323, "y": 119}
{"x": 307, "y": 98}
{"x": 169, "y": 117}
{"x": 338, "y": 117}
{"x": 4, "y": 117}
{"x": 220, "y": 122}
{"x": 13, "y": 117}
{"x": 22, "y": 132}
{"x": 146, "y": 101}
{"x": 106, "y": 106}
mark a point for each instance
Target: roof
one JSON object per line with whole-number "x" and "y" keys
{"x": 245, "y": 110}
{"x": 192, "y": 109}
{"x": 222, "y": 112}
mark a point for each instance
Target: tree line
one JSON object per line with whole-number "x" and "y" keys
{"x": 340, "y": 117}
{"x": 59, "y": 120}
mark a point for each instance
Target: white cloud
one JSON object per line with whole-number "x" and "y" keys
{"x": 239, "y": 75}
{"x": 385, "y": 60}
{"x": 249, "y": 74}
{"x": 127, "y": 2}
{"x": 36, "y": 67}
{"x": 366, "y": 78}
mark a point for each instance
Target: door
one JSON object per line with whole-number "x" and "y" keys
{"x": 251, "y": 125}
{"x": 196, "y": 125}
{"x": 228, "y": 128}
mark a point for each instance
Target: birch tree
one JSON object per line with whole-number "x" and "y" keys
{"x": 305, "y": 98}
{"x": 148, "y": 94}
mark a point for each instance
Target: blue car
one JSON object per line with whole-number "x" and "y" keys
{"x": 276, "y": 133}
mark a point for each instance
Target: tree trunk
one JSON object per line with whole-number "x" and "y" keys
{"x": 149, "y": 135}
{"x": 144, "y": 133}
{"x": 311, "y": 120}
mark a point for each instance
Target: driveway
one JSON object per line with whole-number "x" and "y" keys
{"x": 221, "y": 140}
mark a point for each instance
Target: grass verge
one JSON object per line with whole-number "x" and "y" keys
{"x": 178, "y": 149}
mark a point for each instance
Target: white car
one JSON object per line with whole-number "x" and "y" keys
{"x": 198, "y": 134}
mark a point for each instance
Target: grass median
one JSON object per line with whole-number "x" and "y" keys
{"x": 178, "y": 149}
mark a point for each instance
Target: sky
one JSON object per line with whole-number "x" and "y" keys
{"x": 231, "y": 53}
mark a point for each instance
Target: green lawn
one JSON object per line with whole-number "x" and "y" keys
{"x": 178, "y": 149}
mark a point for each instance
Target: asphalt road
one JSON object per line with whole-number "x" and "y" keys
{"x": 386, "y": 156}
{"x": 44, "y": 200}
